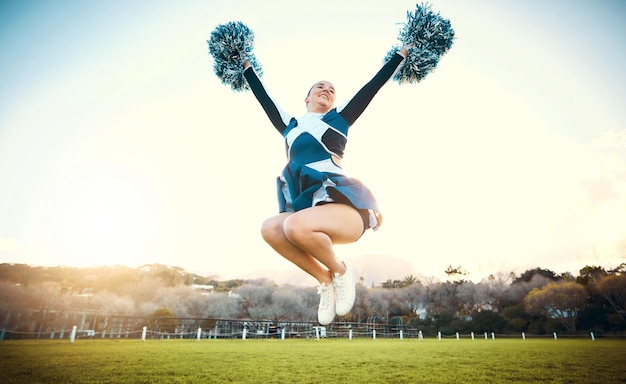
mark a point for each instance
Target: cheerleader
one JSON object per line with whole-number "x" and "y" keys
{"x": 319, "y": 205}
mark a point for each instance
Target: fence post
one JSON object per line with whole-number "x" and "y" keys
{"x": 420, "y": 335}
{"x": 350, "y": 335}
{"x": 523, "y": 336}
{"x": 439, "y": 335}
{"x": 554, "y": 333}
{"x": 199, "y": 333}
{"x": 401, "y": 335}
{"x": 457, "y": 336}
{"x": 143, "y": 333}
{"x": 593, "y": 337}
{"x": 317, "y": 333}
{"x": 282, "y": 334}
{"x": 472, "y": 336}
{"x": 486, "y": 336}
{"x": 243, "y": 334}
{"x": 73, "y": 334}
{"x": 493, "y": 336}
{"x": 374, "y": 334}
{"x": 4, "y": 327}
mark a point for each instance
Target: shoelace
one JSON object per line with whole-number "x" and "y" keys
{"x": 340, "y": 292}
{"x": 325, "y": 293}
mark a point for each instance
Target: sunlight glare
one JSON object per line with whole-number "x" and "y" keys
{"x": 103, "y": 219}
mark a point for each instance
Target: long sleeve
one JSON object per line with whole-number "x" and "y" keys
{"x": 277, "y": 116}
{"x": 357, "y": 104}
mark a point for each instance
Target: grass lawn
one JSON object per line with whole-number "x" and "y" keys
{"x": 311, "y": 361}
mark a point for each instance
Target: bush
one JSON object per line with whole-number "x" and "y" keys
{"x": 488, "y": 321}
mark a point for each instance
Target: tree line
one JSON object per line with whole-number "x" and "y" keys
{"x": 538, "y": 301}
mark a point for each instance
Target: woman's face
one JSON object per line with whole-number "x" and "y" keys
{"x": 321, "y": 97}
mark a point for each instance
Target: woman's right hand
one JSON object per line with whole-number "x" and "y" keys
{"x": 246, "y": 65}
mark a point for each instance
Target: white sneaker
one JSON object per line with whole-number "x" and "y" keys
{"x": 345, "y": 290}
{"x": 326, "y": 309}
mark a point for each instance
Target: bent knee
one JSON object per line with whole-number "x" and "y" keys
{"x": 296, "y": 227}
{"x": 272, "y": 229}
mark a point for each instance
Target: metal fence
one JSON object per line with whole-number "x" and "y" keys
{"x": 52, "y": 324}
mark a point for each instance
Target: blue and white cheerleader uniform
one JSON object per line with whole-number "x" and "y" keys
{"x": 311, "y": 177}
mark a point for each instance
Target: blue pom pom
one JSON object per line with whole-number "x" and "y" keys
{"x": 418, "y": 64}
{"x": 231, "y": 46}
{"x": 431, "y": 37}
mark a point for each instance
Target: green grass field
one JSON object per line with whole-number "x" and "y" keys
{"x": 312, "y": 361}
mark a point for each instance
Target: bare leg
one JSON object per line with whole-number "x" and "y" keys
{"x": 274, "y": 235}
{"x": 306, "y": 237}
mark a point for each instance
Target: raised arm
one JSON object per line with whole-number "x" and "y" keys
{"x": 277, "y": 116}
{"x": 357, "y": 104}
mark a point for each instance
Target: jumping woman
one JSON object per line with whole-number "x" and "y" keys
{"x": 319, "y": 205}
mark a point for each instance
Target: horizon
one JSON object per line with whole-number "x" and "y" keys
{"x": 293, "y": 276}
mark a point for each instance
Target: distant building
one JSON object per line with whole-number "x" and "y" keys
{"x": 204, "y": 288}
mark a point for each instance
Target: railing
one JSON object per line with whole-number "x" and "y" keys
{"x": 91, "y": 325}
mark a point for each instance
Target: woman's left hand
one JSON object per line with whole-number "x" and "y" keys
{"x": 405, "y": 50}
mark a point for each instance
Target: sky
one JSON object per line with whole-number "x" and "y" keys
{"x": 119, "y": 144}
